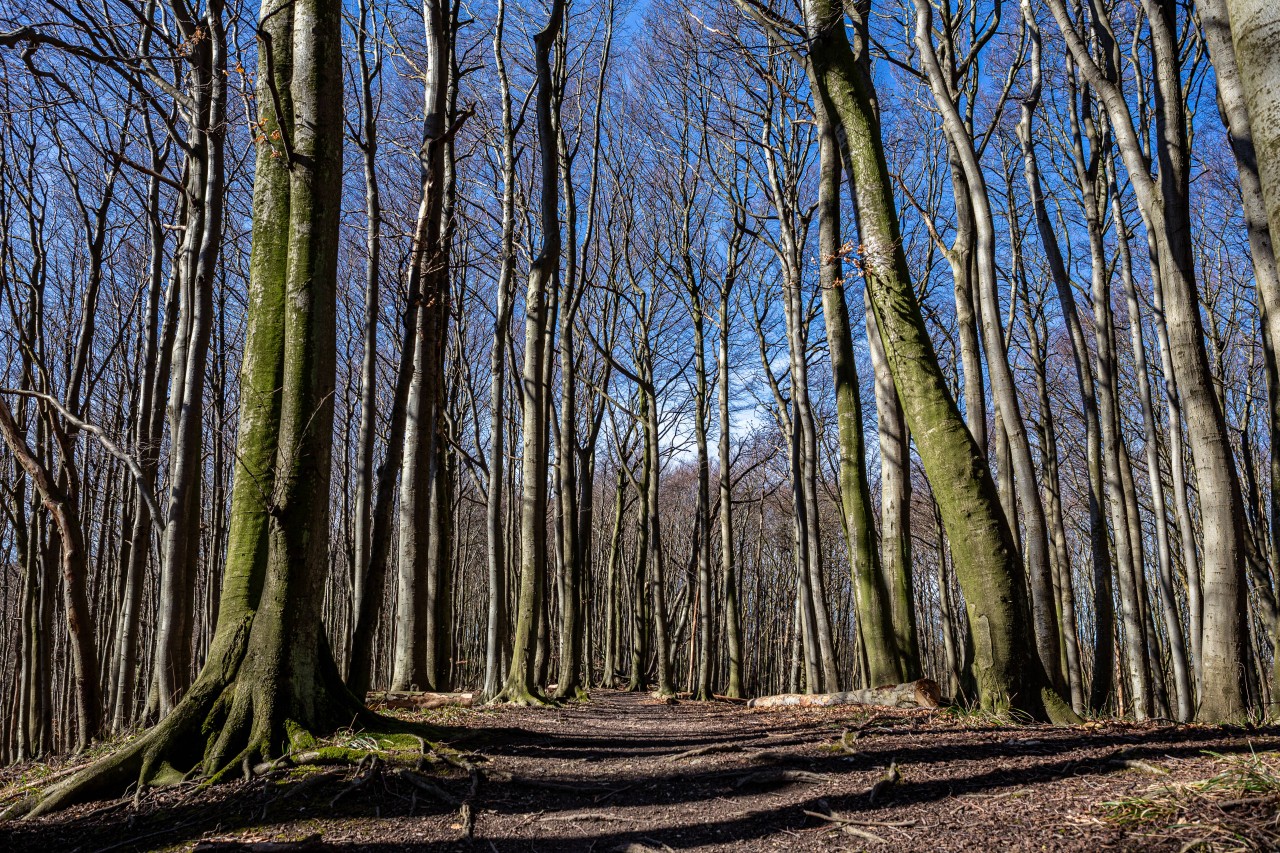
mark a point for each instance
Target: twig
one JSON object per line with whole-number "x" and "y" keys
{"x": 601, "y": 816}
{"x": 110, "y": 446}
{"x": 709, "y": 749}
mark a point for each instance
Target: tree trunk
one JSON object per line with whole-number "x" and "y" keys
{"x": 1168, "y": 599}
{"x": 887, "y": 659}
{"x": 369, "y": 327}
{"x": 1099, "y": 547}
{"x": 1007, "y": 668}
{"x": 728, "y": 579}
{"x": 522, "y": 684}
{"x": 270, "y": 679}
{"x": 1166, "y": 213}
{"x": 197, "y": 260}
{"x": 61, "y": 503}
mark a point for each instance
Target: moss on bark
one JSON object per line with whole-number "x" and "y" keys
{"x": 1006, "y": 667}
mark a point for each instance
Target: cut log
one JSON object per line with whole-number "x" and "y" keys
{"x": 923, "y": 693}
{"x": 417, "y": 701}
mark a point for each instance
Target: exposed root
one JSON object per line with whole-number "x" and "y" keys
{"x": 214, "y": 734}
{"x": 1058, "y": 710}
{"x": 431, "y": 789}
{"x": 363, "y": 779}
{"x": 563, "y": 693}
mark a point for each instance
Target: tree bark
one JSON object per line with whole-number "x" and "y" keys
{"x": 522, "y": 684}
{"x": 1006, "y": 666}
{"x": 887, "y": 659}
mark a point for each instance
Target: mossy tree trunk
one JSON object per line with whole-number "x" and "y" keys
{"x": 875, "y": 617}
{"x": 1006, "y": 666}
{"x": 270, "y": 682}
{"x": 1019, "y": 468}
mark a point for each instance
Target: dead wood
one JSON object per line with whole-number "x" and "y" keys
{"x": 600, "y": 816}
{"x": 412, "y": 700}
{"x": 848, "y": 829}
{"x": 923, "y": 693}
{"x": 311, "y": 842}
{"x": 710, "y": 749}
{"x": 835, "y": 817}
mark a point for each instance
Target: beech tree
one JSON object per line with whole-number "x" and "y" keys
{"x": 270, "y": 682}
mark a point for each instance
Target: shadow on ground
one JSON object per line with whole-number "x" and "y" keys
{"x": 615, "y": 786}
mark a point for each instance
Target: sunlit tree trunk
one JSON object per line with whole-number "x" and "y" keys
{"x": 1006, "y": 666}
{"x": 886, "y": 659}
{"x": 521, "y": 686}
{"x": 270, "y": 678}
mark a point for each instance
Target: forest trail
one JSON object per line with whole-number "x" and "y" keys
{"x": 626, "y": 772}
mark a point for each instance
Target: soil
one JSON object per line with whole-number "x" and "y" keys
{"x": 627, "y": 772}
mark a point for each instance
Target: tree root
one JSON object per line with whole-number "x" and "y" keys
{"x": 209, "y": 736}
{"x": 329, "y": 755}
{"x": 1058, "y": 710}
{"x": 361, "y": 780}
{"x": 428, "y": 787}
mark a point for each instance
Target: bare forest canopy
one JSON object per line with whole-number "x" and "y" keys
{"x": 734, "y": 347}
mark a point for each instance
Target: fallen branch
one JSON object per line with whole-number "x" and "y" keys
{"x": 710, "y": 749}
{"x": 1139, "y": 765}
{"x": 311, "y": 842}
{"x": 923, "y": 693}
{"x": 835, "y": 817}
{"x": 863, "y": 834}
{"x": 601, "y": 816}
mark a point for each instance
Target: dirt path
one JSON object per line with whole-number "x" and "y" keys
{"x": 619, "y": 774}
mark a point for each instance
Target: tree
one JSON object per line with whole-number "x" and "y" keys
{"x": 1165, "y": 206}
{"x": 270, "y": 681}
{"x": 522, "y": 686}
{"x": 1007, "y": 670}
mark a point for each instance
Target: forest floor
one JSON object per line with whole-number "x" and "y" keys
{"x": 626, "y": 772}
